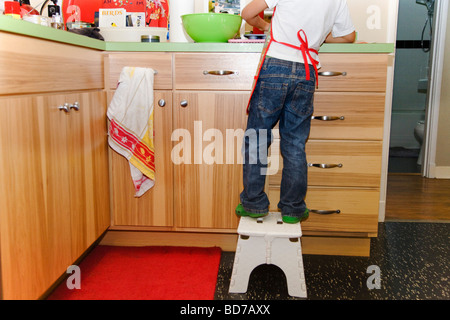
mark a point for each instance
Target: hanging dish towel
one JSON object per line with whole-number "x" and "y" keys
{"x": 131, "y": 125}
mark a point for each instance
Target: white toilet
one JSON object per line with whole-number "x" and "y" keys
{"x": 419, "y": 133}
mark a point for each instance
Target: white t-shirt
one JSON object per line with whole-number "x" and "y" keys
{"x": 316, "y": 17}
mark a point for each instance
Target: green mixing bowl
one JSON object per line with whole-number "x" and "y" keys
{"x": 211, "y": 27}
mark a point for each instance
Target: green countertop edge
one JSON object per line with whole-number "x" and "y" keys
{"x": 9, "y": 24}
{"x": 183, "y": 47}
{"x": 242, "y": 47}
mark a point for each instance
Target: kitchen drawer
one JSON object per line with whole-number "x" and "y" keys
{"x": 215, "y": 71}
{"x": 338, "y": 163}
{"x": 348, "y": 116}
{"x": 352, "y": 72}
{"x": 158, "y": 61}
{"x": 337, "y": 209}
{"x": 30, "y": 65}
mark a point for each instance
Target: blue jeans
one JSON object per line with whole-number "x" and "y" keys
{"x": 282, "y": 94}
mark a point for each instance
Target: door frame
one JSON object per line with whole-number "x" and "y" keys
{"x": 435, "y": 86}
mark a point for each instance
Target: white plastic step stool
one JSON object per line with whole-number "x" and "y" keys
{"x": 269, "y": 240}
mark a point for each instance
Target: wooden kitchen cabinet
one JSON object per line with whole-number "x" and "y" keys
{"x": 209, "y": 94}
{"x": 53, "y": 161}
{"x": 54, "y": 191}
{"x": 208, "y": 179}
{"x": 344, "y": 151}
{"x": 155, "y": 207}
{"x": 35, "y": 219}
{"x": 202, "y": 192}
{"x": 216, "y": 88}
{"x": 88, "y": 174}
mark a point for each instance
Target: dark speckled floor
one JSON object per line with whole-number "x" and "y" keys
{"x": 413, "y": 259}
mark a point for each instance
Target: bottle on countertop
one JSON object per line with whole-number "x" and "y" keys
{"x": 57, "y": 21}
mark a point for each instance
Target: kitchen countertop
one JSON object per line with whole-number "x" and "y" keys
{"x": 8, "y": 24}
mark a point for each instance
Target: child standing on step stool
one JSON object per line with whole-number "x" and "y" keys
{"x": 283, "y": 92}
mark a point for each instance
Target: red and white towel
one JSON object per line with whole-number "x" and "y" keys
{"x": 131, "y": 125}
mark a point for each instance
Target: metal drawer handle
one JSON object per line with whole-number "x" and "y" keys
{"x": 75, "y": 106}
{"x": 332, "y": 73}
{"x": 325, "y": 211}
{"x": 220, "y": 72}
{"x": 65, "y": 107}
{"x": 327, "y": 118}
{"x": 162, "y": 103}
{"x": 325, "y": 165}
{"x": 184, "y": 103}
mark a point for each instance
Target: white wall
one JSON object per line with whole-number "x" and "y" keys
{"x": 38, "y": 3}
{"x": 375, "y": 20}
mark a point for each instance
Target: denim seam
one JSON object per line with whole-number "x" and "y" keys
{"x": 255, "y": 210}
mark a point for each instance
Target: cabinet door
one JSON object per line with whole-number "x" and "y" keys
{"x": 155, "y": 207}
{"x": 35, "y": 212}
{"x": 87, "y": 156}
{"x": 54, "y": 190}
{"x": 207, "y": 138}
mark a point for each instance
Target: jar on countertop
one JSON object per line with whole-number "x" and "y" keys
{"x": 147, "y": 38}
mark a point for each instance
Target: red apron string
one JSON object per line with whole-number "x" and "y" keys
{"x": 306, "y": 53}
